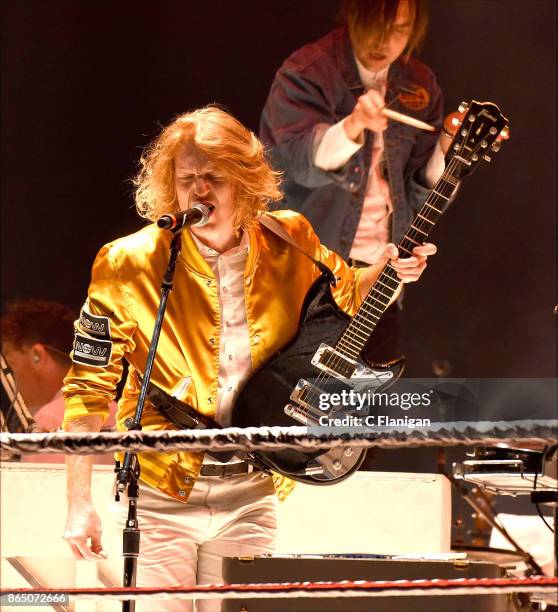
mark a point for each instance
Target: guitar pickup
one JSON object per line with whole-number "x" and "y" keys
{"x": 348, "y": 370}
{"x": 333, "y": 362}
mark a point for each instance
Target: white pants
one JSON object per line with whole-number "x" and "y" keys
{"x": 183, "y": 544}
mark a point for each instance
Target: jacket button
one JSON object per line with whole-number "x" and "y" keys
{"x": 356, "y": 169}
{"x": 353, "y": 186}
{"x": 212, "y": 341}
{"x": 210, "y": 400}
{"x": 208, "y": 282}
{"x": 182, "y": 493}
{"x": 255, "y": 339}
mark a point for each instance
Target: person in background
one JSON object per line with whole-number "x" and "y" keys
{"x": 357, "y": 177}
{"x": 37, "y": 337}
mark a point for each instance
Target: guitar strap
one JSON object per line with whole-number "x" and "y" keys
{"x": 177, "y": 412}
{"x": 273, "y": 226}
{"x": 183, "y": 415}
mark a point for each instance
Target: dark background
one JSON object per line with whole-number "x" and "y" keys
{"x": 86, "y": 84}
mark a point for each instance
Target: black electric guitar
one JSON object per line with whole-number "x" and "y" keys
{"x": 326, "y": 352}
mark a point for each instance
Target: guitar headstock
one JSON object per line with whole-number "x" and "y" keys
{"x": 479, "y": 136}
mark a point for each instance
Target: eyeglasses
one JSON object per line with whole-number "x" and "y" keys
{"x": 57, "y": 351}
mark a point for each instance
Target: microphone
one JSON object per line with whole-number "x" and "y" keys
{"x": 198, "y": 215}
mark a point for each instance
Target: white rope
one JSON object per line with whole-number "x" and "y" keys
{"x": 278, "y": 438}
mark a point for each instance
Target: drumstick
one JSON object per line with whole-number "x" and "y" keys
{"x": 391, "y": 114}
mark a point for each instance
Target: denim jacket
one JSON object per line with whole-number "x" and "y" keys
{"x": 318, "y": 86}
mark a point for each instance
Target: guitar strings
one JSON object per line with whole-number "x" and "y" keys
{"x": 418, "y": 226}
{"x": 372, "y": 300}
{"x": 388, "y": 277}
{"x": 387, "y": 273}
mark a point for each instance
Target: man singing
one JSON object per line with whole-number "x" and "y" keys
{"x": 237, "y": 296}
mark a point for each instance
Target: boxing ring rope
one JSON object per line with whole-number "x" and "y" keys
{"x": 483, "y": 433}
{"x": 346, "y": 588}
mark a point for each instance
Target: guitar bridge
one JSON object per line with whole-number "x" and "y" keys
{"x": 301, "y": 414}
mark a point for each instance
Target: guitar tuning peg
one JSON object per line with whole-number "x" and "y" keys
{"x": 463, "y": 107}
{"x": 487, "y": 158}
{"x": 496, "y": 147}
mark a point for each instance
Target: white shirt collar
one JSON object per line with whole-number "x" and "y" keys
{"x": 208, "y": 253}
{"x": 371, "y": 79}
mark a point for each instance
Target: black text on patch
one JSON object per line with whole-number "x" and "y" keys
{"x": 92, "y": 352}
{"x": 96, "y": 326}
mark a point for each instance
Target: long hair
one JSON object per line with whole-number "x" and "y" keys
{"x": 374, "y": 19}
{"x": 224, "y": 141}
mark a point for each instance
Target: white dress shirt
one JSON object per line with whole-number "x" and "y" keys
{"x": 235, "y": 361}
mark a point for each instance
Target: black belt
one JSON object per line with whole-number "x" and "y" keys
{"x": 227, "y": 469}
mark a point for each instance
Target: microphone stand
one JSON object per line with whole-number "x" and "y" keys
{"x": 128, "y": 474}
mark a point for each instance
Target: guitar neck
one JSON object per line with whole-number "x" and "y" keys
{"x": 381, "y": 294}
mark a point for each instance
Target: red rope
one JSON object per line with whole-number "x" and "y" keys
{"x": 345, "y": 585}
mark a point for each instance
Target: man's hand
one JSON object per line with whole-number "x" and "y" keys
{"x": 449, "y": 129}
{"x": 409, "y": 269}
{"x": 366, "y": 114}
{"x": 83, "y": 532}
{"x": 83, "y": 526}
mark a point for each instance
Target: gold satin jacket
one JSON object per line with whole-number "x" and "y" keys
{"x": 118, "y": 317}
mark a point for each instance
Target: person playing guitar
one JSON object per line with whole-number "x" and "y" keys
{"x": 238, "y": 293}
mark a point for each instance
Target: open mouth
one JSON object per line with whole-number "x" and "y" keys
{"x": 208, "y": 205}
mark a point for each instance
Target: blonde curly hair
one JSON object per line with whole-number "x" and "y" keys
{"x": 223, "y": 140}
